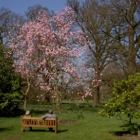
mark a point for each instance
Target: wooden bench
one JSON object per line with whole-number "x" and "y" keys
{"x": 29, "y": 122}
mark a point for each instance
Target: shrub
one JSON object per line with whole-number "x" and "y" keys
{"x": 125, "y": 99}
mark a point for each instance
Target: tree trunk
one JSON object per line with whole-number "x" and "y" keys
{"x": 58, "y": 102}
{"x": 26, "y": 93}
{"x": 132, "y": 67}
{"x": 96, "y": 96}
{"x": 58, "y": 99}
{"x": 25, "y": 103}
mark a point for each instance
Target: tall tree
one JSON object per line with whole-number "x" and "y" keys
{"x": 32, "y": 14}
{"x": 43, "y": 50}
{"x": 92, "y": 18}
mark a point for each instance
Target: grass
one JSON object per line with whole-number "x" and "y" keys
{"x": 90, "y": 126}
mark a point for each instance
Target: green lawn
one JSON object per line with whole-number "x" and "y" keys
{"x": 90, "y": 126}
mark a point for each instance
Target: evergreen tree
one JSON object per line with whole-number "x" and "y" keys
{"x": 9, "y": 85}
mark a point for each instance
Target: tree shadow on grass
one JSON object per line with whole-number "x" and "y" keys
{"x": 61, "y": 131}
{"x": 120, "y": 133}
{"x": 126, "y": 135}
{"x": 128, "y": 129}
{"x": 39, "y": 130}
{"x": 5, "y": 129}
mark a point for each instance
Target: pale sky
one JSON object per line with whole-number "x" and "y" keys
{"x": 20, "y": 6}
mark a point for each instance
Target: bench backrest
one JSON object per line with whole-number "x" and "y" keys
{"x": 34, "y": 121}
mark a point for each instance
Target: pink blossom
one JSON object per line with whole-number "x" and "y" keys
{"x": 44, "y": 48}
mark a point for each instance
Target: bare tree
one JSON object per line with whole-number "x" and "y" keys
{"x": 125, "y": 20}
{"x": 9, "y": 25}
{"x": 33, "y": 11}
{"x": 92, "y": 18}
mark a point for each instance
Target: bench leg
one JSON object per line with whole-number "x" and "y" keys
{"x": 22, "y": 129}
{"x": 56, "y": 130}
{"x": 30, "y": 128}
{"x": 51, "y": 129}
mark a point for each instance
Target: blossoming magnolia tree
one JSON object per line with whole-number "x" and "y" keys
{"x": 44, "y": 49}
